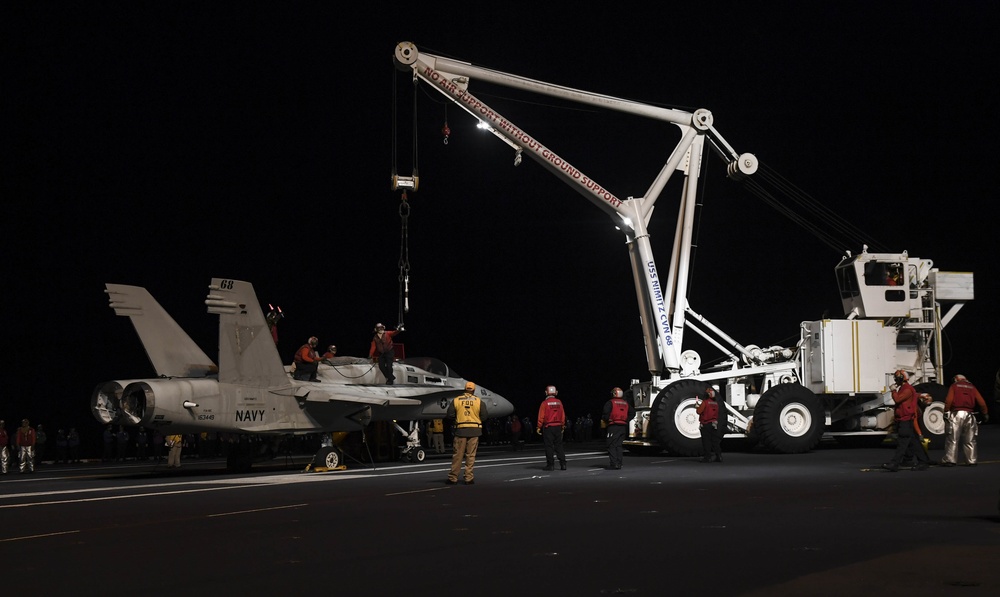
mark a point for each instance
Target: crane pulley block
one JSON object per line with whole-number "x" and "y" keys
{"x": 405, "y": 182}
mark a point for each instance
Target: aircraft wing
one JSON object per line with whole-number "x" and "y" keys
{"x": 323, "y": 396}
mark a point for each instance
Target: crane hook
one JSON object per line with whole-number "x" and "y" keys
{"x": 446, "y": 132}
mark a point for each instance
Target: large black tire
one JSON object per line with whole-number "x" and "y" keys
{"x": 932, "y": 416}
{"x": 789, "y": 419}
{"x": 328, "y": 458}
{"x": 675, "y": 422}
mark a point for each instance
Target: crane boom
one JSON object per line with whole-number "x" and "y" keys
{"x": 655, "y": 293}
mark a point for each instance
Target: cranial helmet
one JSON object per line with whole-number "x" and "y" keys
{"x": 617, "y": 393}
{"x": 551, "y": 391}
{"x": 313, "y": 340}
{"x": 379, "y": 326}
{"x": 470, "y": 387}
{"x": 960, "y": 377}
{"x": 900, "y": 374}
{"x": 710, "y": 392}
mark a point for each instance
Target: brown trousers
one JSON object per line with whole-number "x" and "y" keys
{"x": 464, "y": 447}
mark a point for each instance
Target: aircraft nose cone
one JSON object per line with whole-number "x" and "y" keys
{"x": 499, "y": 406}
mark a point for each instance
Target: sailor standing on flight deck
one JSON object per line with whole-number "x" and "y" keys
{"x": 436, "y": 429}
{"x": 551, "y": 423}
{"x": 4, "y": 452}
{"x": 26, "y": 446}
{"x": 617, "y": 413}
{"x": 175, "y": 443}
{"x": 960, "y": 423}
{"x": 468, "y": 412}
{"x": 708, "y": 417}
{"x": 905, "y": 410}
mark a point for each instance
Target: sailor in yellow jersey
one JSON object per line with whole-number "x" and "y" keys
{"x": 174, "y": 443}
{"x": 437, "y": 435}
{"x": 468, "y": 413}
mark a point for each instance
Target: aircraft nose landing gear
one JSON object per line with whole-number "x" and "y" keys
{"x": 412, "y": 452}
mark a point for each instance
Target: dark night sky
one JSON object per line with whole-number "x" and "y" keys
{"x": 163, "y": 144}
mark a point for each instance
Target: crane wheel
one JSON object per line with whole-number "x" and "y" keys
{"x": 675, "y": 422}
{"x": 789, "y": 419}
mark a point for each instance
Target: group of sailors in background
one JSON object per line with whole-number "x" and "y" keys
{"x": 21, "y": 446}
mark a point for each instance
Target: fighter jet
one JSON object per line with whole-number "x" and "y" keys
{"x": 252, "y": 392}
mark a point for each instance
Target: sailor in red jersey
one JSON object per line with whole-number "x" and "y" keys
{"x": 383, "y": 350}
{"x": 551, "y": 422}
{"x": 960, "y": 421}
{"x": 26, "y": 447}
{"x": 307, "y": 360}
{"x": 907, "y": 442}
{"x": 616, "y": 415}
{"x": 4, "y": 452}
{"x": 708, "y": 418}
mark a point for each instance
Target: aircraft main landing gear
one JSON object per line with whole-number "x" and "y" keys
{"x": 328, "y": 458}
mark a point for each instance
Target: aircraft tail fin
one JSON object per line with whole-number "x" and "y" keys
{"x": 170, "y": 349}
{"x": 247, "y": 354}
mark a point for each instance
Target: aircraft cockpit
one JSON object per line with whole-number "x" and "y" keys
{"x": 431, "y": 365}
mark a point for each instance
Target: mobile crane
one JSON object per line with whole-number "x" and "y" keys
{"x": 834, "y": 381}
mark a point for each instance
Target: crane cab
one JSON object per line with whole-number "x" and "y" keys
{"x": 880, "y": 285}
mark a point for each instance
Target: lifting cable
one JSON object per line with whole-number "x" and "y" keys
{"x": 795, "y": 204}
{"x": 404, "y": 258}
{"x": 404, "y": 183}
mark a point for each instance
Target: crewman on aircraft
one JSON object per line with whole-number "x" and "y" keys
{"x": 383, "y": 350}
{"x": 273, "y": 317}
{"x": 307, "y": 360}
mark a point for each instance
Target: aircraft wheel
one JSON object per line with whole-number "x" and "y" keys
{"x": 329, "y": 458}
{"x": 675, "y": 422}
{"x": 789, "y": 419}
{"x": 419, "y": 455}
{"x": 932, "y": 420}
